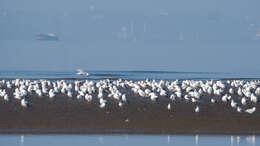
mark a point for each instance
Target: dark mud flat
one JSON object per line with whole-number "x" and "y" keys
{"x": 63, "y": 115}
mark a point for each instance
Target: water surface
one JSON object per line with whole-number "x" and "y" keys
{"x": 130, "y": 75}
{"x": 129, "y": 140}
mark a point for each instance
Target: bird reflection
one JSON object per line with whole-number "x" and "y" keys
{"x": 100, "y": 139}
{"x": 196, "y": 139}
{"x": 250, "y": 140}
{"x": 22, "y": 140}
{"x": 231, "y": 140}
{"x": 238, "y": 140}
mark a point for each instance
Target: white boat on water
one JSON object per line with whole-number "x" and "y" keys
{"x": 81, "y": 72}
{"x": 47, "y": 37}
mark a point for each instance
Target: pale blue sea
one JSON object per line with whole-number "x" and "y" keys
{"x": 130, "y": 75}
{"x": 129, "y": 140}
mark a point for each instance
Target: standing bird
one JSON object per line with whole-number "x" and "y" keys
{"x": 6, "y": 98}
{"x": 250, "y": 110}
{"x": 197, "y": 109}
{"x": 102, "y": 103}
{"x": 69, "y": 94}
{"x": 253, "y": 98}
{"x": 243, "y": 101}
{"x": 51, "y": 94}
{"x": 24, "y": 103}
{"x": 169, "y": 106}
{"x": 120, "y": 104}
{"x": 231, "y": 91}
{"x": 123, "y": 98}
{"x": 239, "y": 109}
{"x": 233, "y": 104}
{"x": 153, "y": 96}
{"x": 213, "y": 100}
{"x": 224, "y": 98}
{"x": 172, "y": 97}
{"x": 239, "y": 92}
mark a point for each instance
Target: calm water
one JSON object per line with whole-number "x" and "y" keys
{"x": 128, "y": 140}
{"x": 133, "y": 75}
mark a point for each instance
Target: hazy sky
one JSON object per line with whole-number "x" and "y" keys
{"x": 173, "y": 35}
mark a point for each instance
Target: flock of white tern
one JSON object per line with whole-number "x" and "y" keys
{"x": 239, "y": 94}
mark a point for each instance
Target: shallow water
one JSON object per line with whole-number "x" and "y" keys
{"x": 130, "y": 75}
{"x": 129, "y": 140}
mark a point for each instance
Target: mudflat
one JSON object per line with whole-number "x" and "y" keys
{"x": 138, "y": 115}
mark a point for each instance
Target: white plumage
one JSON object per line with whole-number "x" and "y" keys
{"x": 250, "y": 110}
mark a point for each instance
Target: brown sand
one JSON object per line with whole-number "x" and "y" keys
{"x": 64, "y": 115}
